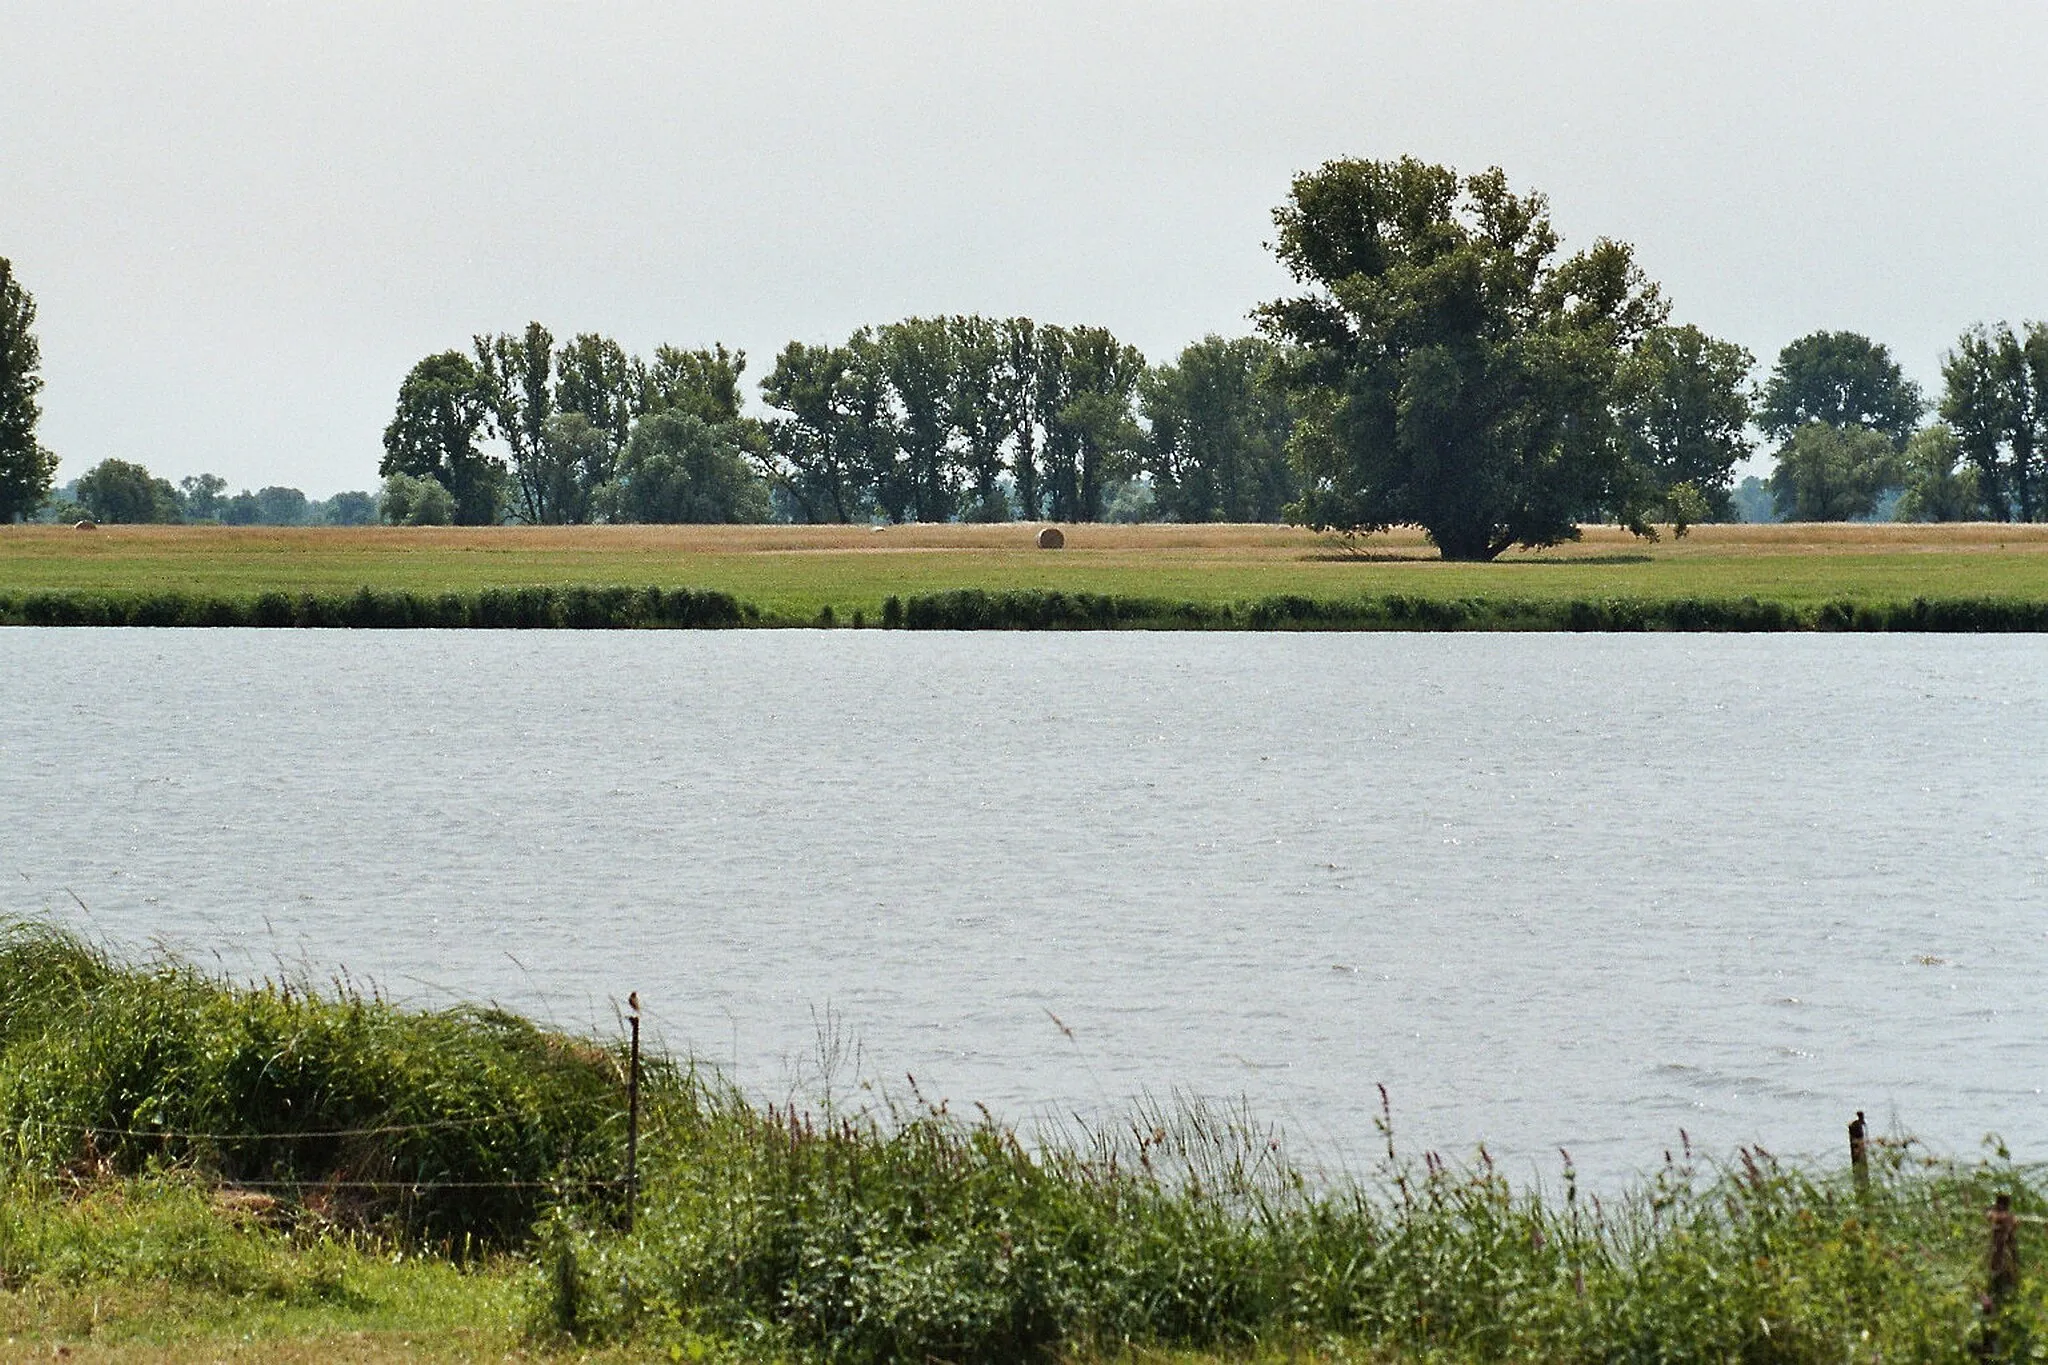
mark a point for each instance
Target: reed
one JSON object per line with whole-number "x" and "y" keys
{"x": 897, "y": 1230}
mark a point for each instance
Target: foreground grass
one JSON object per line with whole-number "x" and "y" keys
{"x": 890, "y": 1232}
{"x": 791, "y": 574}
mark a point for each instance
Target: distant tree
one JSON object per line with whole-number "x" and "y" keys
{"x": 1021, "y": 390}
{"x": 1831, "y": 473}
{"x": 441, "y": 411}
{"x": 407, "y": 500}
{"x": 26, "y": 468}
{"x": 675, "y": 468}
{"x": 1686, "y": 411}
{"x": 572, "y": 461}
{"x": 918, "y": 362}
{"x": 1843, "y": 379}
{"x": 515, "y": 378}
{"x": 1217, "y": 447}
{"x": 815, "y": 462}
{"x": 1940, "y": 486}
{"x": 1753, "y": 501}
{"x": 1087, "y": 380}
{"x": 204, "y": 496}
{"x": 351, "y": 508}
{"x": 276, "y": 506}
{"x": 117, "y": 491}
{"x": 982, "y": 410}
{"x": 703, "y": 383}
{"x": 595, "y": 376}
{"x": 1996, "y": 402}
{"x": 1452, "y": 372}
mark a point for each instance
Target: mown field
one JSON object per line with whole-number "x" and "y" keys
{"x": 791, "y": 573}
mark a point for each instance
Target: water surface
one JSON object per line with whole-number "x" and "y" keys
{"x": 1552, "y": 891}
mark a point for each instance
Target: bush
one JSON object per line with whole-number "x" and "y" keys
{"x": 456, "y": 1125}
{"x": 409, "y": 501}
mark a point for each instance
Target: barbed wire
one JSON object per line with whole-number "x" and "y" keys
{"x": 258, "y": 1136}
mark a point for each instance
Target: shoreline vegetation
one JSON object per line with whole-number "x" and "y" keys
{"x": 198, "y": 1169}
{"x": 1976, "y": 577}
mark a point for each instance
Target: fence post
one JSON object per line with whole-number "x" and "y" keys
{"x": 2005, "y": 1250}
{"x": 633, "y": 1112}
{"x": 1859, "y": 1153}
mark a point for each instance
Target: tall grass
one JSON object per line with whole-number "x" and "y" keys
{"x": 456, "y": 1126}
{"x": 900, "y": 1231}
{"x": 913, "y": 1235}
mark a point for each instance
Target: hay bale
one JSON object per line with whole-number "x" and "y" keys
{"x": 1052, "y": 538}
{"x": 85, "y": 526}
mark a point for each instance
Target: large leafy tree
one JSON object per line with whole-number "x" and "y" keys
{"x": 815, "y": 464}
{"x": 1833, "y": 473}
{"x": 1843, "y": 379}
{"x": 1087, "y": 380}
{"x": 1995, "y": 400}
{"x": 1686, "y": 408}
{"x": 515, "y": 375}
{"x": 919, "y": 359}
{"x": 119, "y": 491}
{"x": 676, "y": 468}
{"x": 1217, "y": 448}
{"x": 1452, "y": 372}
{"x": 1940, "y": 484}
{"x": 704, "y": 383}
{"x": 26, "y": 468}
{"x": 442, "y": 407}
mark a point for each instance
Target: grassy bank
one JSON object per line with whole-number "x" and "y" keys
{"x": 791, "y": 575}
{"x": 886, "y": 1232}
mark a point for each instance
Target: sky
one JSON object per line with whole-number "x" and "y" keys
{"x": 244, "y": 222}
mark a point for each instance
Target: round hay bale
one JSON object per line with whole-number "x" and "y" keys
{"x": 1052, "y": 538}
{"x": 85, "y": 526}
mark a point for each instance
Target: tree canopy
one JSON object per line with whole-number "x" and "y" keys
{"x": 26, "y": 468}
{"x": 118, "y": 491}
{"x": 1843, "y": 379}
{"x": 1996, "y": 402}
{"x": 442, "y": 407}
{"x": 1452, "y": 372}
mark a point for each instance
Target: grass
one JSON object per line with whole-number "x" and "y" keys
{"x": 791, "y": 574}
{"x": 885, "y": 1231}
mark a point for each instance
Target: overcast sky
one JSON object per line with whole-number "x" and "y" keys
{"x": 243, "y": 222}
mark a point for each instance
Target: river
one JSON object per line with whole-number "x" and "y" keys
{"x": 1552, "y": 891}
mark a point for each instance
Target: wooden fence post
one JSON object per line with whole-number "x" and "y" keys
{"x": 1859, "y": 1153}
{"x": 633, "y": 1112}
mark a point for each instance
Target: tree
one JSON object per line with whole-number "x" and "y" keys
{"x": 1086, "y": 381}
{"x": 675, "y": 468}
{"x": 278, "y": 506}
{"x": 26, "y": 468}
{"x": 442, "y": 407}
{"x": 1936, "y": 488}
{"x": 1995, "y": 400}
{"x": 1217, "y": 448}
{"x": 814, "y": 462}
{"x": 1686, "y": 409}
{"x": 981, "y": 408}
{"x": 595, "y": 376}
{"x": 116, "y": 491}
{"x": 410, "y": 501}
{"x": 1843, "y": 379}
{"x": 1451, "y": 372}
{"x": 1833, "y": 473}
{"x": 203, "y": 496}
{"x": 918, "y": 361}
{"x": 703, "y": 383}
{"x": 515, "y": 376}
{"x": 353, "y": 508}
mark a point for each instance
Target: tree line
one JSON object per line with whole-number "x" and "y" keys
{"x": 1444, "y": 364}
{"x": 926, "y": 419}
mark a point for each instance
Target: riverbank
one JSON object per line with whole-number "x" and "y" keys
{"x": 1158, "y": 577}
{"x": 197, "y": 1170}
